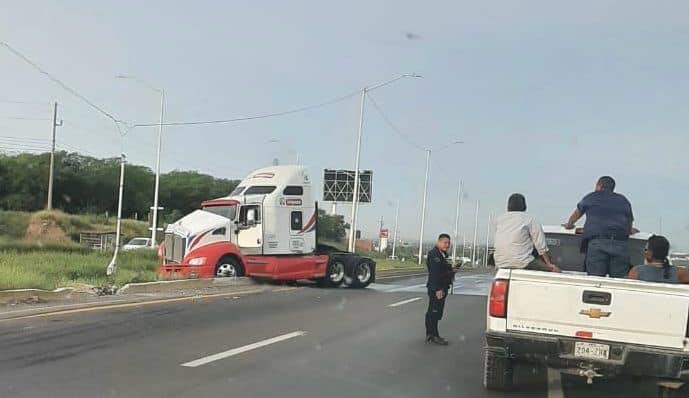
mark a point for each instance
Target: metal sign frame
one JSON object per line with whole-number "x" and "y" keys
{"x": 338, "y": 186}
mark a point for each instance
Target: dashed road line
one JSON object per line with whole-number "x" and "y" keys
{"x": 403, "y": 302}
{"x": 243, "y": 349}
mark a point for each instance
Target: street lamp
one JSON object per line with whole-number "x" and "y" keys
{"x": 425, "y": 194}
{"x": 355, "y": 198}
{"x": 155, "y": 208}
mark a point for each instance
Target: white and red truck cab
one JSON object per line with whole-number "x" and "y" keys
{"x": 266, "y": 228}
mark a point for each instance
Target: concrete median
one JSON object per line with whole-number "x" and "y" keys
{"x": 178, "y": 285}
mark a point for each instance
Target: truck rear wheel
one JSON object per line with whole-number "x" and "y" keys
{"x": 363, "y": 275}
{"x": 334, "y": 274}
{"x": 228, "y": 267}
{"x": 498, "y": 372}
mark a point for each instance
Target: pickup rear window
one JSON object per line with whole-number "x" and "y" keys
{"x": 565, "y": 251}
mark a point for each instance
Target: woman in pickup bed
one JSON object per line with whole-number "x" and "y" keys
{"x": 657, "y": 267}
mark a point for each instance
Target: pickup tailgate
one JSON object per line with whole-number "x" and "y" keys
{"x": 609, "y": 309}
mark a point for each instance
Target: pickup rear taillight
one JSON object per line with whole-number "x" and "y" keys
{"x": 497, "y": 307}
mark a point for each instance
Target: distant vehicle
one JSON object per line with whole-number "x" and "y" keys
{"x": 585, "y": 325}
{"x": 266, "y": 228}
{"x": 138, "y": 243}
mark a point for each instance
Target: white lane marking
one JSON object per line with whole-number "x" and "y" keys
{"x": 407, "y": 288}
{"x": 400, "y": 276}
{"x": 403, "y": 302}
{"x": 554, "y": 384}
{"x": 240, "y": 350}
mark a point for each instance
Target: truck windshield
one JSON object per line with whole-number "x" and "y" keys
{"x": 225, "y": 211}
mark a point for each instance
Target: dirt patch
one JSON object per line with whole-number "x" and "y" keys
{"x": 45, "y": 230}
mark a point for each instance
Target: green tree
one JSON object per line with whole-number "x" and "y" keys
{"x": 331, "y": 227}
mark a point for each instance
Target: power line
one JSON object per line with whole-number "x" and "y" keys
{"x": 392, "y": 125}
{"x": 264, "y": 116}
{"x": 60, "y": 83}
{"x": 7, "y": 101}
{"x": 23, "y": 118}
{"x": 10, "y": 138}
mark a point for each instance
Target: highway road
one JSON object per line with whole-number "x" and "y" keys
{"x": 302, "y": 342}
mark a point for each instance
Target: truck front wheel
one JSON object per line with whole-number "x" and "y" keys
{"x": 228, "y": 267}
{"x": 498, "y": 372}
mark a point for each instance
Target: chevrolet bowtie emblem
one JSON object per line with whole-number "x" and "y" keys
{"x": 595, "y": 313}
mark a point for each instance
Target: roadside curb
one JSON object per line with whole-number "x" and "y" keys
{"x": 182, "y": 284}
{"x": 127, "y": 302}
{"x": 36, "y": 295}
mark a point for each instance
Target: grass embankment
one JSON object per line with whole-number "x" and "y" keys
{"x": 49, "y": 264}
{"x": 56, "y": 266}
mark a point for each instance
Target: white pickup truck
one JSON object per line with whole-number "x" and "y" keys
{"x": 585, "y": 325}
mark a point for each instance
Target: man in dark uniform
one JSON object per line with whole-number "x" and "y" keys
{"x": 440, "y": 277}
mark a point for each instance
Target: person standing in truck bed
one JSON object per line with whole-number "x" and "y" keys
{"x": 517, "y": 236}
{"x": 608, "y": 225}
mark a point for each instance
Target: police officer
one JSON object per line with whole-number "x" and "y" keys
{"x": 440, "y": 277}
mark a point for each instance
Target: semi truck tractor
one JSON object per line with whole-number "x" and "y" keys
{"x": 266, "y": 228}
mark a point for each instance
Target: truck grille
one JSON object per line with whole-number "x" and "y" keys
{"x": 174, "y": 248}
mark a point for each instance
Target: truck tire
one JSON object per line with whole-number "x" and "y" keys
{"x": 228, "y": 266}
{"x": 498, "y": 372}
{"x": 334, "y": 274}
{"x": 364, "y": 273}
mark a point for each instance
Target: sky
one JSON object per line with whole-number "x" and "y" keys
{"x": 547, "y": 96}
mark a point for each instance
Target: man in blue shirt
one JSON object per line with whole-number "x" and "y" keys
{"x": 609, "y": 220}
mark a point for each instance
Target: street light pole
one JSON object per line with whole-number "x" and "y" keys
{"x": 154, "y": 224}
{"x": 473, "y": 251}
{"x": 394, "y": 239}
{"x": 458, "y": 216}
{"x": 155, "y": 208}
{"x": 423, "y": 208}
{"x": 355, "y": 197}
{"x": 485, "y": 259}
{"x": 112, "y": 267}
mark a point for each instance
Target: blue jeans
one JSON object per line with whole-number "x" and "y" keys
{"x": 606, "y": 256}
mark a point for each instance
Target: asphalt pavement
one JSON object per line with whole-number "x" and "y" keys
{"x": 305, "y": 342}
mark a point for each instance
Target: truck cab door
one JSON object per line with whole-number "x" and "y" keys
{"x": 250, "y": 230}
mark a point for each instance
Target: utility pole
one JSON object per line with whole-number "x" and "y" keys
{"x": 473, "y": 251}
{"x": 458, "y": 216}
{"x": 423, "y": 209}
{"x": 49, "y": 206}
{"x": 394, "y": 236}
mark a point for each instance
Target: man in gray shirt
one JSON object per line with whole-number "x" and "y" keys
{"x": 517, "y": 234}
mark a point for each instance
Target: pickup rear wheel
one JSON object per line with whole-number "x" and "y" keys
{"x": 498, "y": 372}
{"x": 228, "y": 267}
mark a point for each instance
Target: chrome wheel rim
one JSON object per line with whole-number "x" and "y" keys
{"x": 226, "y": 270}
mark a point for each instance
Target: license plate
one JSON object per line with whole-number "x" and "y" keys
{"x": 591, "y": 350}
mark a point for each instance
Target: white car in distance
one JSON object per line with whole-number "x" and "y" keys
{"x": 137, "y": 243}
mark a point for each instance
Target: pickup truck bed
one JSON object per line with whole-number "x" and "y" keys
{"x": 590, "y": 326}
